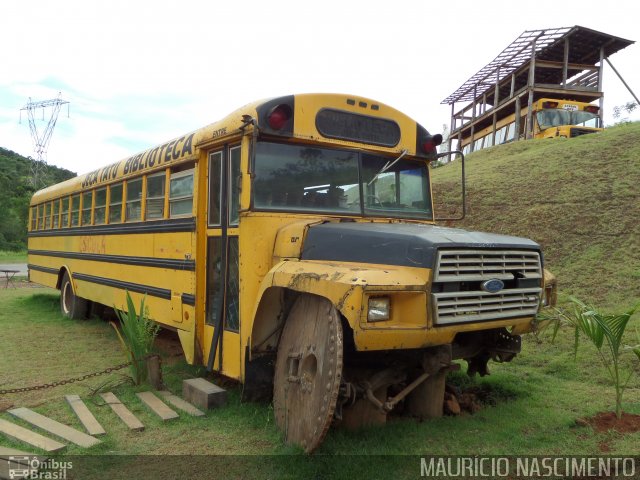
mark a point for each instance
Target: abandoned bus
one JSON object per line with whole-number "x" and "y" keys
{"x": 551, "y": 118}
{"x": 292, "y": 246}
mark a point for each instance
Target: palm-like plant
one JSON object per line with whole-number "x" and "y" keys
{"x": 138, "y": 335}
{"x": 605, "y": 332}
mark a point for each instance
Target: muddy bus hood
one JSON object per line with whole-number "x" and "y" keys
{"x": 404, "y": 244}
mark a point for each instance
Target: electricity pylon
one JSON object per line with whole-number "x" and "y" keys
{"x": 41, "y": 139}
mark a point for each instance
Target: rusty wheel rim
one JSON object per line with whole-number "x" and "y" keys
{"x": 308, "y": 372}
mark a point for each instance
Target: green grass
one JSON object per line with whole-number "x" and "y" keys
{"x": 530, "y": 408}
{"x": 9, "y": 256}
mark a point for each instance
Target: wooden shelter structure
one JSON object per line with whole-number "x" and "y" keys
{"x": 563, "y": 63}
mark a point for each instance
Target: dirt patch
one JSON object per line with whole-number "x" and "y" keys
{"x": 605, "y": 421}
{"x": 18, "y": 283}
{"x": 168, "y": 344}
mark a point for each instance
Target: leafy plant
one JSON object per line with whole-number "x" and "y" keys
{"x": 606, "y": 333}
{"x": 137, "y": 337}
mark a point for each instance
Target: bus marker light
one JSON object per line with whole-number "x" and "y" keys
{"x": 279, "y": 116}
{"x": 430, "y": 144}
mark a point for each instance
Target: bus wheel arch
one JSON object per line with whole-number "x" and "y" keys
{"x": 271, "y": 315}
{"x": 71, "y": 305}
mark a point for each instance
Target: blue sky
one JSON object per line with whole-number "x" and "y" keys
{"x": 137, "y": 73}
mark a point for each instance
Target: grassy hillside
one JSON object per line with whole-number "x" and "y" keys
{"x": 579, "y": 198}
{"x": 15, "y": 193}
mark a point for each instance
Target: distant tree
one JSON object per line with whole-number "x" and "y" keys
{"x": 620, "y": 110}
{"x": 15, "y": 194}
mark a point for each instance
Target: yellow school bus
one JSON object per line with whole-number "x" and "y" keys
{"x": 552, "y": 118}
{"x": 292, "y": 246}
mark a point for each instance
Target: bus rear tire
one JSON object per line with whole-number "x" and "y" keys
{"x": 72, "y": 306}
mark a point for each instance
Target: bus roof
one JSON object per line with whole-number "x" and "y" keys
{"x": 185, "y": 147}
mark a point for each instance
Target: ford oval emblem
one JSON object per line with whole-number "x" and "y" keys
{"x": 492, "y": 286}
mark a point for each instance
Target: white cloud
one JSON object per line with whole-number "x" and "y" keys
{"x": 138, "y": 73}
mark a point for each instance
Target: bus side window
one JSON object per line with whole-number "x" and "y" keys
{"x": 500, "y": 135}
{"x": 181, "y": 194}
{"x": 488, "y": 140}
{"x": 56, "y": 214}
{"x": 215, "y": 192}
{"x": 64, "y": 222}
{"x": 115, "y": 203}
{"x": 155, "y": 196}
{"x": 134, "y": 198}
{"x": 40, "y": 217}
{"x": 47, "y": 215}
{"x": 75, "y": 210}
{"x": 87, "y": 199}
{"x": 34, "y": 218}
{"x": 234, "y": 185}
{"x": 101, "y": 207}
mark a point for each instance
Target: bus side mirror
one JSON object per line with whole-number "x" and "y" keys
{"x": 463, "y": 185}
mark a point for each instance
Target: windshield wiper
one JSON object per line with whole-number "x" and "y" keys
{"x": 387, "y": 166}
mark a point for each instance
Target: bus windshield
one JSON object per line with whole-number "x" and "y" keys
{"x": 556, "y": 117}
{"x": 301, "y": 178}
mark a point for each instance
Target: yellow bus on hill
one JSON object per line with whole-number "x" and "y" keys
{"x": 552, "y": 118}
{"x": 292, "y": 246}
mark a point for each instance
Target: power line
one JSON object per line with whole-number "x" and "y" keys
{"x": 42, "y": 138}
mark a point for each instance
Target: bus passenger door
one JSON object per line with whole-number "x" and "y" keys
{"x": 222, "y": 316}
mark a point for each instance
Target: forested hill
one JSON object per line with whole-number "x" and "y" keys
{"x": 15, "y": 193}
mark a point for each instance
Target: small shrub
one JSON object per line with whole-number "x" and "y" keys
{"x": 137, "y": 337}
{"x": 606, "y": 333}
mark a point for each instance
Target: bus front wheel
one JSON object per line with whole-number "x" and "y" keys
{"x": 71, "y": 305}
{"x": 308, "y": 371}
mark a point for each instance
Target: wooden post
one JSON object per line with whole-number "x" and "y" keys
{"x": 473, "y": 112}
{"x": 496, "y": 92}
{"x": 600, "y": 77}
{"x": 473, "y": 131}
{"x": 493, "y": 132}
{"x": 565, "y": 63}
{"x": 513, "y": 85}
{"x": 532, "y": 79}
{"x": 154, "y": 371}
{"x": 518, "y": 108}
{"x": 452, "y": 128}
{"x": 427, "y": 400}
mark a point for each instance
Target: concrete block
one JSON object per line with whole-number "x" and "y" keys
{"x": 203, "y": 394}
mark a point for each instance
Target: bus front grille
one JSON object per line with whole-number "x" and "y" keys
{"x": 459, "y": 292}
{"x": 576, "y": 132}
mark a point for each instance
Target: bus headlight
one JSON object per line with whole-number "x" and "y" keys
{"x": 379, "y": 309}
